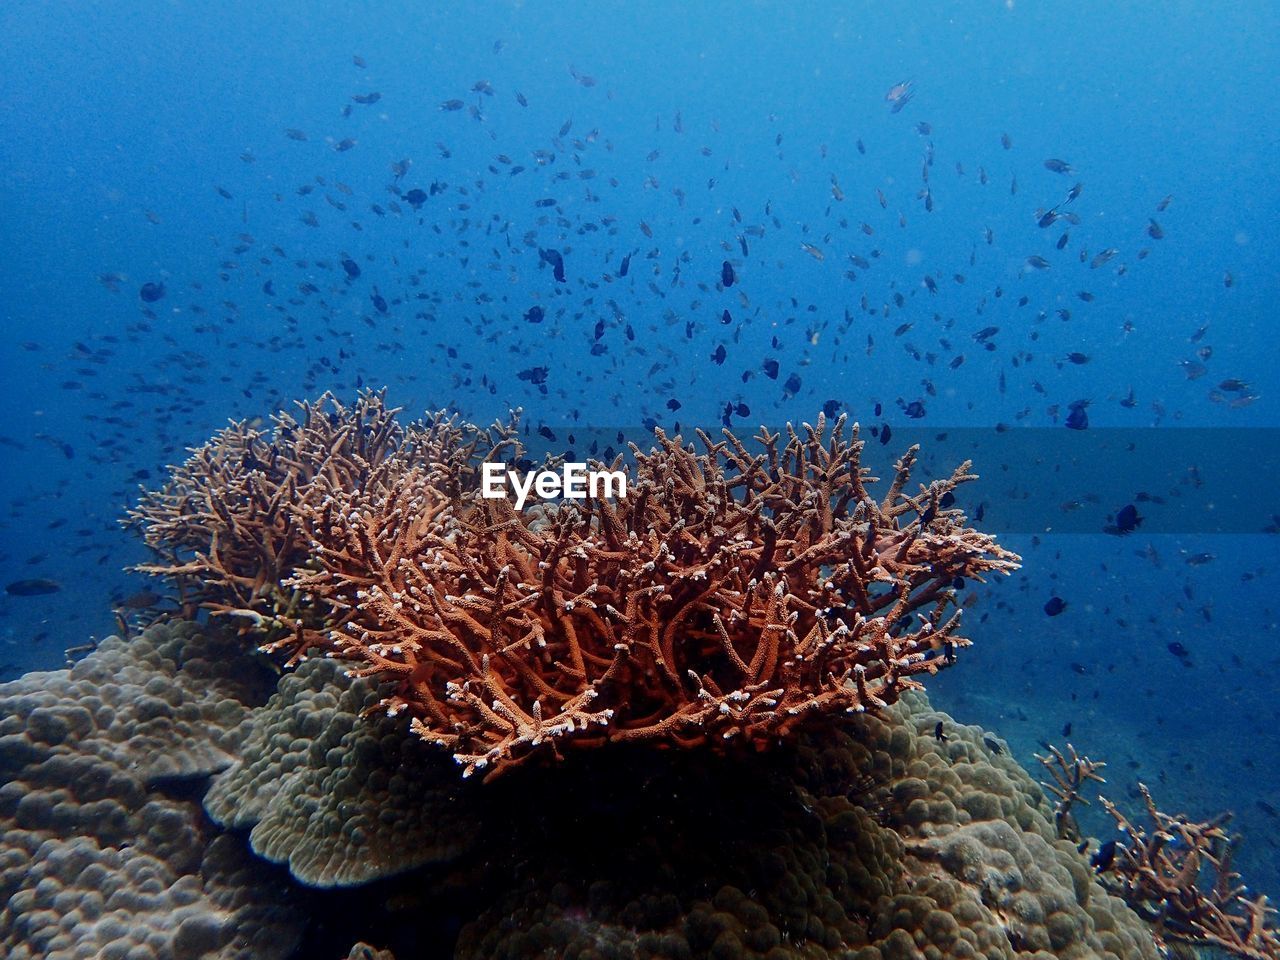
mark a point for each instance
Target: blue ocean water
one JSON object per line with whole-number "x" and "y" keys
{"x": 147, "y": 143}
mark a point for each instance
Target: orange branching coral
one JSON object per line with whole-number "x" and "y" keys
{"x": 1159, "y": 874}
{"x": 730, "y": 596}
{"x": 226, "y": 527}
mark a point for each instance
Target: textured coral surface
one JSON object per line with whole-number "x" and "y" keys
{"x": 105, "y": 852}
{"x": 865, "y": 838}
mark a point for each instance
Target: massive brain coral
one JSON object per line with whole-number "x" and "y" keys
{"x": 103, "y": 848}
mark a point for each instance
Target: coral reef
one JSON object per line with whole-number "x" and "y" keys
{"x": 342, "y": 800}
{"x": 865, "y": 836}
{"x": 225, "y": 527}
{"x": 1070, "y": 774}
{"x": 731, "y": 596}
{"x": 1160, "y": 874}
{"x": 746, "y": 631}
{"x": 870, "y": 839}
{"x": 104, "y": 851}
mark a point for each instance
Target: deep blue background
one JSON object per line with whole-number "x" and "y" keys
{"x": 108, "y": 111}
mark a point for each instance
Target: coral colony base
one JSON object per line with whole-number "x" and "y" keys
{"x": 696, "y": 712}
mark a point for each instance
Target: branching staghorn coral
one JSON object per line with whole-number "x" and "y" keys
{"x": 1159, "y": 875}
{"x": 1069, "y": 777}
{"x": 225, "y": 528}
{"x": 730, "y": 596}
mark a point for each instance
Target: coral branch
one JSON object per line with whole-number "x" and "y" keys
{"x": 731, "y": 596}
{"x": 1159, "y": 874}
{"x": 1069, "y": 776}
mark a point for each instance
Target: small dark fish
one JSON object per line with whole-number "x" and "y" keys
{"x": 727, "y": 276}
{"x": 831, "y": 408}
{"x": 1037, "y": 262}
{"x": 771, "y": 368}
{"x": 1078, "y": 418}
{"x": 1066, "y": 729}
{"x": 899, "y": 95}
{"x": 342, "y": 146}
{"x": 1105, "y": 857}
{"x": 1200, "y": 559}
{"x": 792, "y": 386}
{"x": 1006, "y": 141}
{"x": 351, "y": 267}
{"x": 416, "y": 197}
{"x": 554, "y": 258}
{"x": 535, "y": 314}
{"x": 141, "y": 600}
{"x": 1102, "y": 258}
{"x": 915, "y": 410}
{"x": 1154, "y": 230}
{"x": 938, "y": 733}
{"x": 1179, "y": 651}
{"x": 993, "y": 744}
{"x": 367, "y": 98}
{"x": 32, "y": 588}
{"x": 625, "y": 267}
{"x": 719, "y": 356}
{"x": 1054, "y": 606}
{"x": 379, "y": 302}
{"x": 535, "y": 375}
{"x": 1127, "y": 521}
{"x": 1057, "y": 166}
{"x": 451, "y": 105}
{"x": 151, "y": 292}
